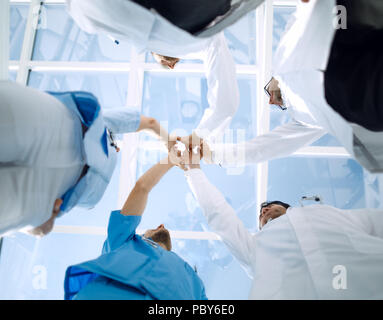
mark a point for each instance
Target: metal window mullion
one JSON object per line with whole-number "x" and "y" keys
{"x": 130, "y": 142}
{"x": 4, "y": 39}
{"x": 284, "y": 3}
{"x": 36, "y": 65}
{"x": 79, "y": 66}
{"x": 102, "y": 231}
{"x": 29, "y": 39}
{"x": 264, "y": 59}
{"x": 319, "y": 152}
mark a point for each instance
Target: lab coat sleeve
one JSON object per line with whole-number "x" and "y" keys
{"x": 222, "y": 218}
{"x": 223, "y": 93}
{"x": 368, "y": 220}
{"x": 280, "y": 142}
{"x": 122, "y": 120}
{"x": 119, "y": 19}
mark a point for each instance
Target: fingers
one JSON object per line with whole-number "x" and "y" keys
{"x": 186, "y": 152}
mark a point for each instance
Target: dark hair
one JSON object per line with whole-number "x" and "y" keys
{"x": 268, "y": 203}
{"x": 163, "y": 236}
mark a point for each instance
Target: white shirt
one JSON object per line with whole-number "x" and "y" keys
{"x": 297, "y": 255}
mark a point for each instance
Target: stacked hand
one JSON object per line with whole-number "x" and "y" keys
{"x": 186, "y": 152}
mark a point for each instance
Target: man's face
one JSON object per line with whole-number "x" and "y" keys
{"x": 160, "y": 235}
{"x": 274, "y": 93}
{"x": 167, "y": 62}
{"x": 271, "y": 211}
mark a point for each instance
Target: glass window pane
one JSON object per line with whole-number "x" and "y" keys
{"x": 109, "y": 88}
{"x": 282, "y": 16}
{"x": 58, "y": 38}
{"x": 241, "y": 38}
{"x": 241, "y": 41}
{"x": 34, "y": 269}
{"x": 279, "y": 117}
{"x": 180, "y": 101}
{"x": 18, "y": 18}
{"x": 327, "y": 140}
{"x": 12, "y": 75}
{"x": 174, "y": 98}
{"x": 338, "y": 181}
{"x": 214, "y": 262}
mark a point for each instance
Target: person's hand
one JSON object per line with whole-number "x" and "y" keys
{"x": 196, "y": 143}
{"x": 171, "y": 142}
{"x": 187, "y": 152}
{"x": 177, "y": 155}
{"x": 195, "y": 155}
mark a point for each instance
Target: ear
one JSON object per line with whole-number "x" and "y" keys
{"x": 57, "y": 206}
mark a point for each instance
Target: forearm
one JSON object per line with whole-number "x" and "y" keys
{"x": 278, "y": 143}
{"x": 136, "y": 202}
{"x": 151, "y": 177}
{"x": 154, "y": 127}
{"x": 122, "y": 120}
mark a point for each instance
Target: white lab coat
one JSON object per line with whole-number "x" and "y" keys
{"x": 301, "y": 55}
{"x": 315, "y": 252}
{"x": 126, "y": 20}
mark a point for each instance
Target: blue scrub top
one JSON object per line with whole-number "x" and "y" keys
{"x": 132, "y": 267}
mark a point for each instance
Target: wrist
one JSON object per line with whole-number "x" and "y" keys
{"x": 166, "y": 161}
{"x": 194, "y": 166}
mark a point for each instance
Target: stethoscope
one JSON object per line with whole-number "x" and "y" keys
{"x": 312, "y": 198}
